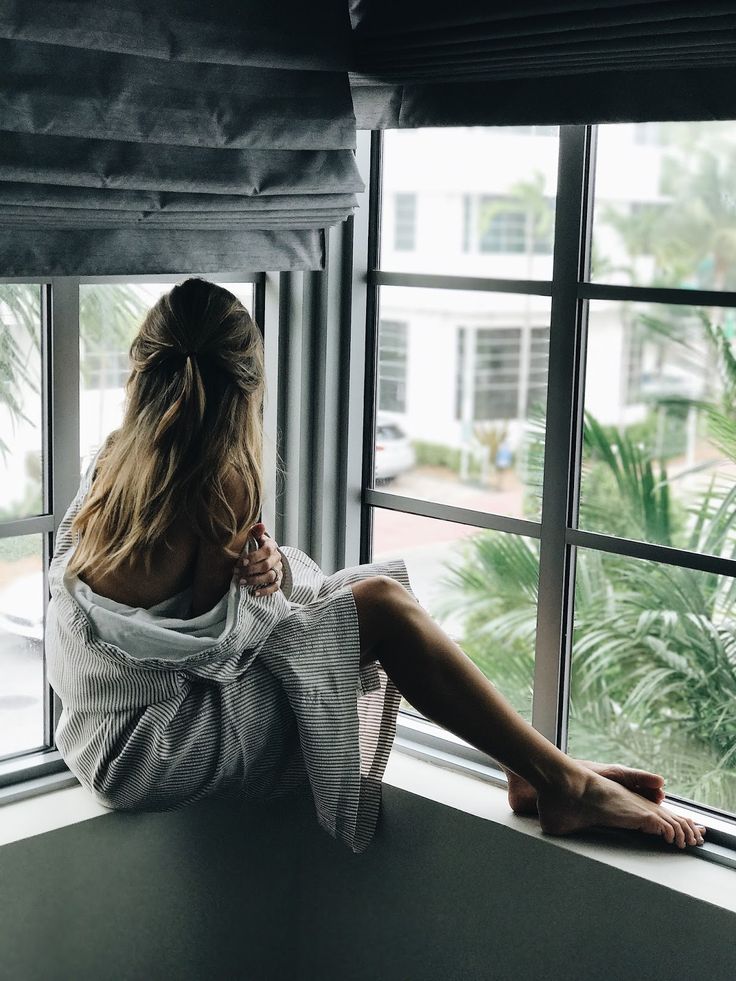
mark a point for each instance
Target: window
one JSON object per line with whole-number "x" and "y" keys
{"x": 494, "y": 356}
{"x": 40, "y": 475}
{"x": 106, "y": 369}
{"x": 392, "y": 361}
{"x": 405, "y": 222}
{"x": 486, "y": 210}
{"x": 612, "y": 629}
{"x": 24, "y": 523}
{"x": 505, "y": 369}
{"x": 497, "y": 225}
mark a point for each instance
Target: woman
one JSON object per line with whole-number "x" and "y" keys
{"x": 194, "y": 657}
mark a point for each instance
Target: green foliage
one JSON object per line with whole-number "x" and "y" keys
{"x": 661, "y": 434}
{"x": 642, "y": 494}
{"x": 109, "y": 318}
{"x": 436, "y": 455}
{"x": 20, "y": 346}
{"x": 499, "y": 623}
{"x": 691, "y": 235}
{"x": 20, "y": 547}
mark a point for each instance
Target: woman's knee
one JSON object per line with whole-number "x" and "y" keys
{"x": 379, "y": 593}
{"x": 378, "y": 599}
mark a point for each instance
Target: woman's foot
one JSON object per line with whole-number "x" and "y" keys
{"x": 523, "y": 797}
{"x": 589, "y": 800}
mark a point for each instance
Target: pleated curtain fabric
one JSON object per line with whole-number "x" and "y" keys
{"x": 174, "y": 136}
{"x": 474, "y": 62}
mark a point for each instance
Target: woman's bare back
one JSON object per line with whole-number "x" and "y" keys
{"x": 183, "y": 559}
{"x": 172, "y": 569}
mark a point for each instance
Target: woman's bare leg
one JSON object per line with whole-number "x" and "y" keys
{"x": 441, "y": 681}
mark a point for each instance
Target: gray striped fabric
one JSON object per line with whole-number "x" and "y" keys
{"x": 281, "y": 700}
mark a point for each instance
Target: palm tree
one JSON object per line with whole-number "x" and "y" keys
{"x": 691, "y": 233}
{"x": 108, "y": 318}
{"x": 20, "y": 346}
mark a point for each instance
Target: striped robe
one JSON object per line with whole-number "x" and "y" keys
{"x": 279, "y": 700}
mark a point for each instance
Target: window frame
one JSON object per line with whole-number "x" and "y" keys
{"x": 39, "y": 769}
{"x": 571, "y": 291}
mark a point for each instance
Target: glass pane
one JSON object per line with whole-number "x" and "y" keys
{"x": 21, "y": 401}
{"x": 109, "y": 317}
{"x": 461, "y": 401}
{"x": 21, "y": 644}
{"x": 654, "y": 673}
{"x": 480, "y": 586}
{"x": 665, "y": 205}
{"x": 659, "y": 456}
{"x": 477, "y": 201}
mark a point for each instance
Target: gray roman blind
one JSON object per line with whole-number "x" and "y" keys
{"x": 477, "y": 62}
{"x": 140, "y": 137}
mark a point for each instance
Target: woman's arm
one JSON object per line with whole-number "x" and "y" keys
{"x": 214, "y": 568}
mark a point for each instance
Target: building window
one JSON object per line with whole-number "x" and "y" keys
{"x": 505, "y": 226}
{"x": 392, "y": 363}
{"x": 505, "y": 368}
{"x": 495, "y": 372}
{"x": 405, "y": 222}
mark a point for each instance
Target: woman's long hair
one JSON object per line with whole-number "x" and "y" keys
{"x": 193, "y": 418}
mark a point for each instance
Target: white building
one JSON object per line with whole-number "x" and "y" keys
{"x": 480, "y": 202}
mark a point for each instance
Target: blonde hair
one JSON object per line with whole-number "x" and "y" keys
{"x": 193, "y": 418}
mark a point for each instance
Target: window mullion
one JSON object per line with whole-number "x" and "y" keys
{"x": 556, "y": 560}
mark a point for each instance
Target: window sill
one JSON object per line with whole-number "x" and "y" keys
{"x": 42, "y": 808}
{"x": 634, "y": 854}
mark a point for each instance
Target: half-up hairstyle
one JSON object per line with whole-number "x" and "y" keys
{"x": 193, "y": 418}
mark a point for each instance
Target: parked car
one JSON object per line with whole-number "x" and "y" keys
{"x": 21, "y": 608}
{"x": 394, "y": 452}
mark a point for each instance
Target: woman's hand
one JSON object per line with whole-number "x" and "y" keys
{"x": 262, "y": 568}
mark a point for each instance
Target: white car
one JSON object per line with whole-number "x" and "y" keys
{"x": 394, "y": 452}
{"x": 21, "y": 607}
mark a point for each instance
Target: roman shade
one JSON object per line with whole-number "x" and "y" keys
{"x": 175, "y": 136}
{"x": 475, "y": 62}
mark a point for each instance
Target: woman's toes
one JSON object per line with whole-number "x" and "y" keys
{"x": 667, "y": 832}
{"x": 654, "y": 794}
{"x": 642, "y": 782}
{"x": 647, "y": 779}
{"x": 679, "y": 833}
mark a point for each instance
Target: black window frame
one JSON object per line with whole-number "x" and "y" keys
{"x": 571, "y": 290}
